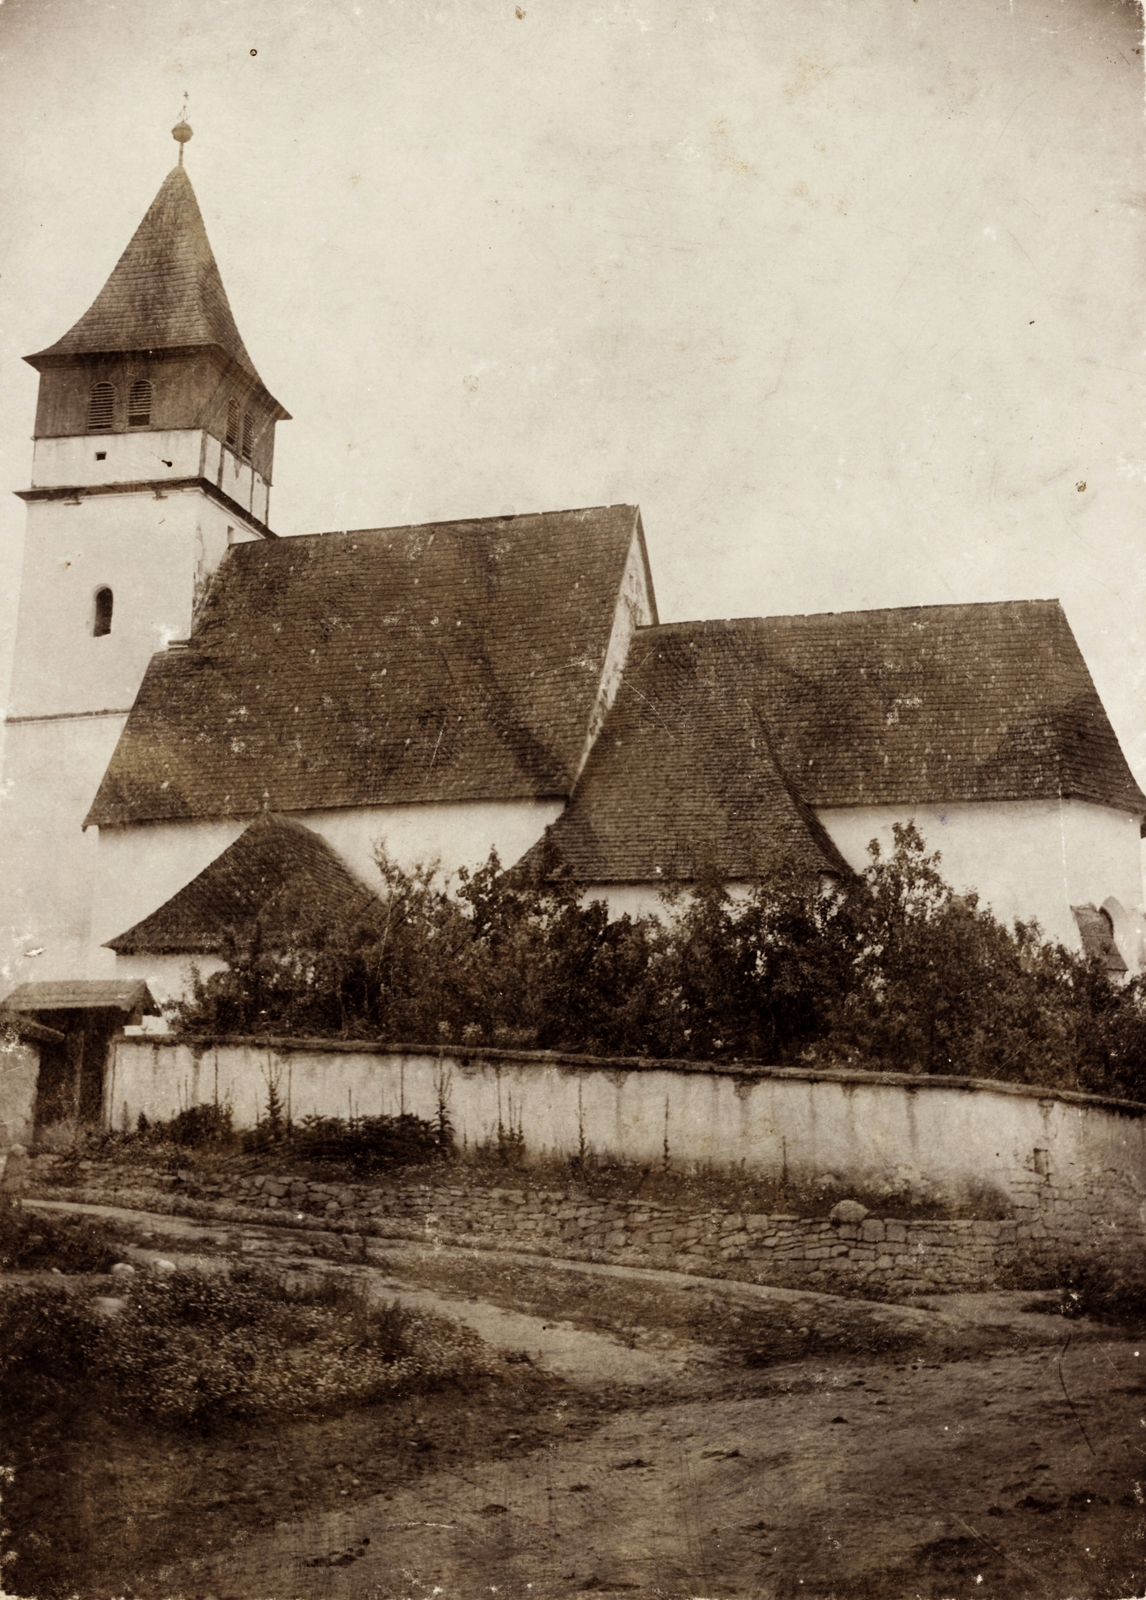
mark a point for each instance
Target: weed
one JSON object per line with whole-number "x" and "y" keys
{"x": 1112, "y": 1290}
{"x": 31, "y": 1241}
{"x": 196, "y": 1350}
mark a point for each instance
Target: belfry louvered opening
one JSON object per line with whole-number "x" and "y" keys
{"x": 248, "y": 435}
{"x": 101, "y": 407}
{"x": 232, "y": 424}
{"x": 139, "y": 404}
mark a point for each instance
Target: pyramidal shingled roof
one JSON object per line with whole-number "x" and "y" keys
{"x": 165, "y": 292}
{"x": 276, "y": 874}
{"x": 727, "y": 738}
{"x": 684, "y": 780}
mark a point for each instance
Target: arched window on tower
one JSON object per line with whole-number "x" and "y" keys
{"x": 232, "y": 424}
{"x": 248, "y": 435}
{"x": 101, "y": 624}
{"x": 101, "y": 407}
{"x": 139, "y": 404}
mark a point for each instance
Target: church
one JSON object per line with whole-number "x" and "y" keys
{"x": 205, "y": 718}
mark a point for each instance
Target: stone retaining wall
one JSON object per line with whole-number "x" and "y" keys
{"x": 884, "y": 1256}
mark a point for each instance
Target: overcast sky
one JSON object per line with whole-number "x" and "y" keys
{"x": 847, "y": 297}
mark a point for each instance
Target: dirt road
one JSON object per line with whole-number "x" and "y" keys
{"x": 984, "y": 1451}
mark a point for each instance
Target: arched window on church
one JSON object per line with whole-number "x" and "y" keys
{"x": 101, "y": 407}
{"x": 232, "y": 424}
{"x": 248, "y": 435}
{"x": 104, "y": 600}
{"x": 139, "y": 404}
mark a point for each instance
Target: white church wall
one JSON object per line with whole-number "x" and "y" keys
{"x": 169, "y": 977}
{"x": 634, "y": 609}
{"x": 459, "y": 834}
{"x": 1026, "y": 858}
{"x": 236, "y": 477}
{"x": 51, "y": 772}
{"x": 140, "y": 868}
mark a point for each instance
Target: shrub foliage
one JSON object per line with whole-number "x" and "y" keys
{"x": 197, "y": 1350}
{"x": 892, "y": 970}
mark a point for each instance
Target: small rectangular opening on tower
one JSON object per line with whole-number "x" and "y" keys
{"x": 101, "y": 455}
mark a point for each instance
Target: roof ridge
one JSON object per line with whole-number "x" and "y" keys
{"x": 456, "y": 522}
{"x": 728, "y": 624}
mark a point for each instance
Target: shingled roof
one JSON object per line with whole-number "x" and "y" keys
{"x": 276, "y": 874}
{"x": 724, "y": 735}
{"x": 456, "y": 661}
{"x": 165, "y": 292}
{"x": 130, "y": 995}
{"x": 683, "y": 779}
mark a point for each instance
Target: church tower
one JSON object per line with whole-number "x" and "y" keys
{"x": 154, "y": 440}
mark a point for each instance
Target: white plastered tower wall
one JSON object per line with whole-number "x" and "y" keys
{"x": 154, "y": 549}
{"x": 154, "y": 443}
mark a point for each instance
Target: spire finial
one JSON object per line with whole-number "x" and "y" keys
{"x": 182, "y": 129}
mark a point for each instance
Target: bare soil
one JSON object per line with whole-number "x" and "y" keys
{"x": 736, "y": 1441}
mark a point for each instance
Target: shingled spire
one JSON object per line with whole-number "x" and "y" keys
{"x": 158, "y": 348}
{"x": 165, "y": 291}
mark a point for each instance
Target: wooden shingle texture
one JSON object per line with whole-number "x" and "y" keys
{"x": 83, "y": 994}
{"x": 278, "y": 875}
{"x": 164, "y": 293}
{"x": 725, "y": 737}
{"x": 452, "y": 662}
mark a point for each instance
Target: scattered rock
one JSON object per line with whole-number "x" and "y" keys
{"x": 107, "y": 1305}
{"x": 848, "y": 1211}
{"x": 163, "y": 1265}
{"x": 123, "y": 1269}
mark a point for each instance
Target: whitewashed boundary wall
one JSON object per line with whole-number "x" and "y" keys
{"x": 933, "y": 1137}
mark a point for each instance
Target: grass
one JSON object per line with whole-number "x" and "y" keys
{"x": 145, "y": 1370}
{"x": 1111, "y": 1290}
{"x": 409, "y": 1150}
{"x": 35, "y": 1243}
{"x": 749, "y": 1333}
{"x": 189, "y": 1349}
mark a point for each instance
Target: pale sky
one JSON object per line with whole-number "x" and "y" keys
{"x": 848, "y": 297}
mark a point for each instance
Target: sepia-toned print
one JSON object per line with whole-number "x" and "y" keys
{"x": 572, "y": 932}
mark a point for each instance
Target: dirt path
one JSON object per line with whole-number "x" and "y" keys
{"x": 853, "y": 1481}
{"x": 990, "y": 1472}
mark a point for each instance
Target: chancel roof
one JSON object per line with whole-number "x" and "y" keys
{"x": 725, "y": 737}
{"x": 458, "y": 661}
{"x": 278, "y": 876}
{"x": 164, "y": 293}
{"x": 683, "y": 780}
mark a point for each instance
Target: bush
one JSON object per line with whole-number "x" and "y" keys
{"x": 369, "y": 1143}
{"x": 195, "y": 1127}
{"x": 890, "y": 970}
{"x": 1112, "y": 1290}
{"x": 198, "y": 1350}
{"x": 32, "y": 1241}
